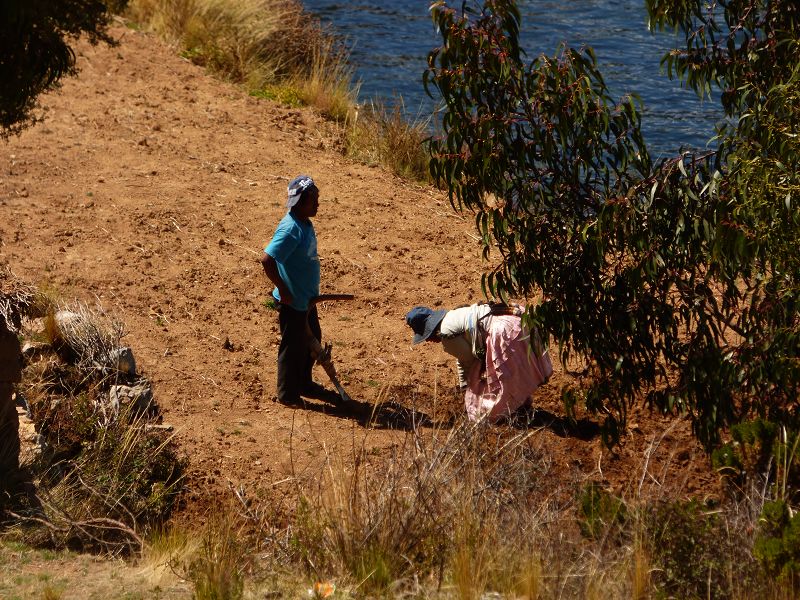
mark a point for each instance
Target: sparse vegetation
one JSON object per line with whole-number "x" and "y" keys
{"x": 104, "y": 477}
{"x": 465, "y": 514}
{"x": 468, "y": 513}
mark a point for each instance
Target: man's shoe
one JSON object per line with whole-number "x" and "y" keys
{"x": 292, "y": 402}
{"x": 319, "y": 392}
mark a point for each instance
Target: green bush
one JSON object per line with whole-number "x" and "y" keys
{"x": 749, "y": 453}
{"x": 777, "y": 545}
{"x": 137, "y": 467}
{"x": 762, "y": 448}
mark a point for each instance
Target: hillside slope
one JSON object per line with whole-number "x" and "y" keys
{"x": 151, "y": 188}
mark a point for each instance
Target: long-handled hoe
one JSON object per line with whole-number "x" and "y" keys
{"x": 323, "y": 354}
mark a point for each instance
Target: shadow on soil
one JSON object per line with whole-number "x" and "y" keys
{"x": 386, "y": 415}
{"x": 392, "y": 414}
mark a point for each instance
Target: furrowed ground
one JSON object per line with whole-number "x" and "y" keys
{"x": 150, "y": 189}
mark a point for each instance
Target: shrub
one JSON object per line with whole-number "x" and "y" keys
{"x": 727, "y": 461}
{"x": 116, "y": 488}
{"x": 777, "y": 545}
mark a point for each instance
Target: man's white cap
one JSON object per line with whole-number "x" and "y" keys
{"x": 296, "y": 188}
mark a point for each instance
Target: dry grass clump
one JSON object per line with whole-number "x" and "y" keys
{"x": 328, "y": 84}
{"x": 381, "y": 135}
{"x": 86, "y": 337}
{"x": 16, "y": 299}
{"x": 164, "y": 549}
{"x": 217, "y": 569}
{"x": 254, "y": 42}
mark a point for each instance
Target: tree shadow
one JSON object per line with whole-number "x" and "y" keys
{"x": 530, "y": 418}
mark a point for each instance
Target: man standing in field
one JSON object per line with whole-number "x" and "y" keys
{"x": 292, "y": 264}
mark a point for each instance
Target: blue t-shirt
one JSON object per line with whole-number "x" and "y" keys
{"x": 294, "y": 248}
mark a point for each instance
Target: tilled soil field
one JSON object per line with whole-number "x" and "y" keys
{"x": 151, "y": 188}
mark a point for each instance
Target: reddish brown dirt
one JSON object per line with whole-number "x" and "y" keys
{"x": 151, "y": 188}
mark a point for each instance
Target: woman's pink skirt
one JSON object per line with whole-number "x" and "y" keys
{"x": 513, "y": 371}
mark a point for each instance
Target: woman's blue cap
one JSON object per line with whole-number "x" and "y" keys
{"x": 424, "y": 322}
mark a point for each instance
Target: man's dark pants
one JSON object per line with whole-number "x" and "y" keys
{"x": 294, "y": 355}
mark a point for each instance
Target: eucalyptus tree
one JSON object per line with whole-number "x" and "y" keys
{"x": 673, "y": 283}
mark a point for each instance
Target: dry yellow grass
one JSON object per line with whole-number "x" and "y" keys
{"x": 256, "y": 43}
{"x": 380, "y": 135}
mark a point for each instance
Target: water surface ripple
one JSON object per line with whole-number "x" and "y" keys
{"x": 390, "y": 40}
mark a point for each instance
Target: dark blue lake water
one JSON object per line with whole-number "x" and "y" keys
{"x": 390, "y": 40}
